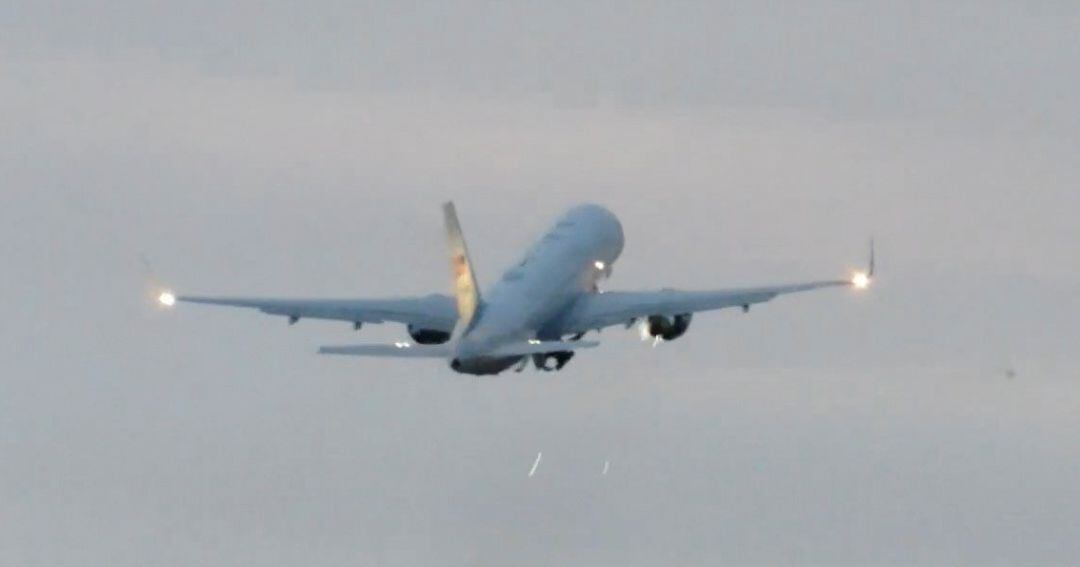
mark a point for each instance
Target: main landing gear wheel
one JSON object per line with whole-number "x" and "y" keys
{"x": 560, "y": 358}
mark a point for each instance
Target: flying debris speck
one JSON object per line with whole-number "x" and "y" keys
{"x": 536, "y": 464}
{"x": 607, "y": 466}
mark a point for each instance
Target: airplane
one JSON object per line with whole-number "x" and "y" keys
{"x": 540, "y": 309}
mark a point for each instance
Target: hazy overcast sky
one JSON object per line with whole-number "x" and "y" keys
{"x": 272, "y": 148}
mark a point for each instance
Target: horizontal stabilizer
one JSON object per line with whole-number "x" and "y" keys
{"x": 538, "y": 347}
{"x": 409, "y": 350}
{"x": 396, "y": 350}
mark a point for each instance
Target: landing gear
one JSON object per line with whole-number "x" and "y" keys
{"x": 560, "y": 358}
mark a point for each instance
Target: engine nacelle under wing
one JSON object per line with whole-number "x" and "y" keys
{"x": 428, "y": 336}
{"x": 668, "y": 328}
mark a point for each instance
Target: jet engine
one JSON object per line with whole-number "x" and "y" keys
{"x": 428, "y": 336}
{"x": 667, "y": 328}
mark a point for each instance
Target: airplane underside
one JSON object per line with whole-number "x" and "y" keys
{"x": 490, "y": 366}
{"x": 484, "y": 365}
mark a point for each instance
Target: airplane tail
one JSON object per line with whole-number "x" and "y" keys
{"x": 462, "y": 278}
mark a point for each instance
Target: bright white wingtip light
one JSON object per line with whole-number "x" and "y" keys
{"x": 167, "y": 298}
{"x": 599, "y": 265}
{"x": 861, "y": 280}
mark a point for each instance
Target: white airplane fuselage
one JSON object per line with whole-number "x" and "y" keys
{"x": 527, "y": 302}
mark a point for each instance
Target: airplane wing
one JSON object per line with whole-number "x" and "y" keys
{"x": 434, "y": 312}
{"x": 598, "y": 310}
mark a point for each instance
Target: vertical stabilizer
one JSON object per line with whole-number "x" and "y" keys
{"x": 462, "y": 279}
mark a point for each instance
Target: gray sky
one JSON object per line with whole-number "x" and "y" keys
{"x": 285, "y": 149}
